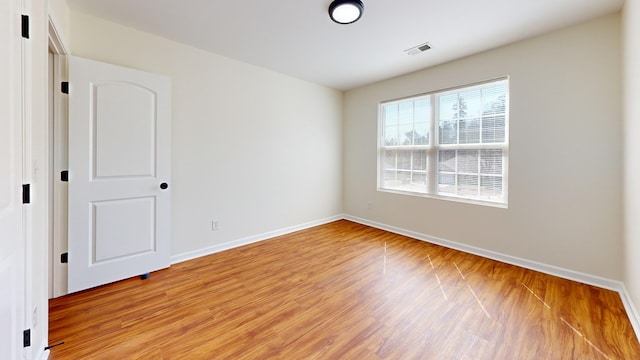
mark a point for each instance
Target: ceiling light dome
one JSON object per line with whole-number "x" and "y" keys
{"x": 346, "y": 11}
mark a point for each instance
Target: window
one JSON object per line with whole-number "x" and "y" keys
{"x": 451, "y": 143}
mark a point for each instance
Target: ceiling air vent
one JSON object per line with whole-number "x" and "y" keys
{"x": 418, "y": 49}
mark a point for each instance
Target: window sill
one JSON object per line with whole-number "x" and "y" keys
{"x": 448, "y": 198}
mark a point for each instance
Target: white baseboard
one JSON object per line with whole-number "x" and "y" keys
{"x": 249, "y": 240}
{"x": 601, "y": 282}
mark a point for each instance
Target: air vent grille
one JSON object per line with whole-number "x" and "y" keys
{"x": 418, "y": 49}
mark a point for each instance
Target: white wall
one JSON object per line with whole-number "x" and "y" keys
{"x": 59, "y": 15}
{"x": 565, "y": 197}
{"x": 257, "y": 150}
{"x": 631, "y": 36}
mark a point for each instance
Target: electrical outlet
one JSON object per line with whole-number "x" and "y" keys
{"x": 215, "y": 225}
{"x": 34, "y": 318}
{"x": 370, "y": 205}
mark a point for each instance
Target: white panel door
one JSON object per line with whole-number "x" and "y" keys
{"x": 119, "y": 169}
{"x": 12, "y": 241}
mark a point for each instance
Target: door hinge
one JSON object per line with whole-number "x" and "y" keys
{"x": 26, "y": 194}
{"x": 64, "y": 175}
{"x": 25, "y": 26}
{"x": 64, "y": 87}
{"x": 64, "y": 258}
{"x": 26, "y": 338}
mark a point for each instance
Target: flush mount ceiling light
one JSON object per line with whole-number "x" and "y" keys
{"x": 346, "y": 11}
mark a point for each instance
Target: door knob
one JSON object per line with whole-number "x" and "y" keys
{"x": 164, "y": 186}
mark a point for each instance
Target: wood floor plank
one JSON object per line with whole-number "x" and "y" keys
{"x": 342, "y": 291}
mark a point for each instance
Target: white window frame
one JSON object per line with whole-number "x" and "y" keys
{"x": 433, "y": 147}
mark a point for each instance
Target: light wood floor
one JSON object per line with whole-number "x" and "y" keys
{"x": 342, "y": 291}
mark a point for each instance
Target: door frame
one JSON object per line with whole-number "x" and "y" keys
{"x": 57, "y": 145}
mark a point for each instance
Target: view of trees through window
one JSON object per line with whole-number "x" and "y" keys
{"x": 450, "y": 143}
